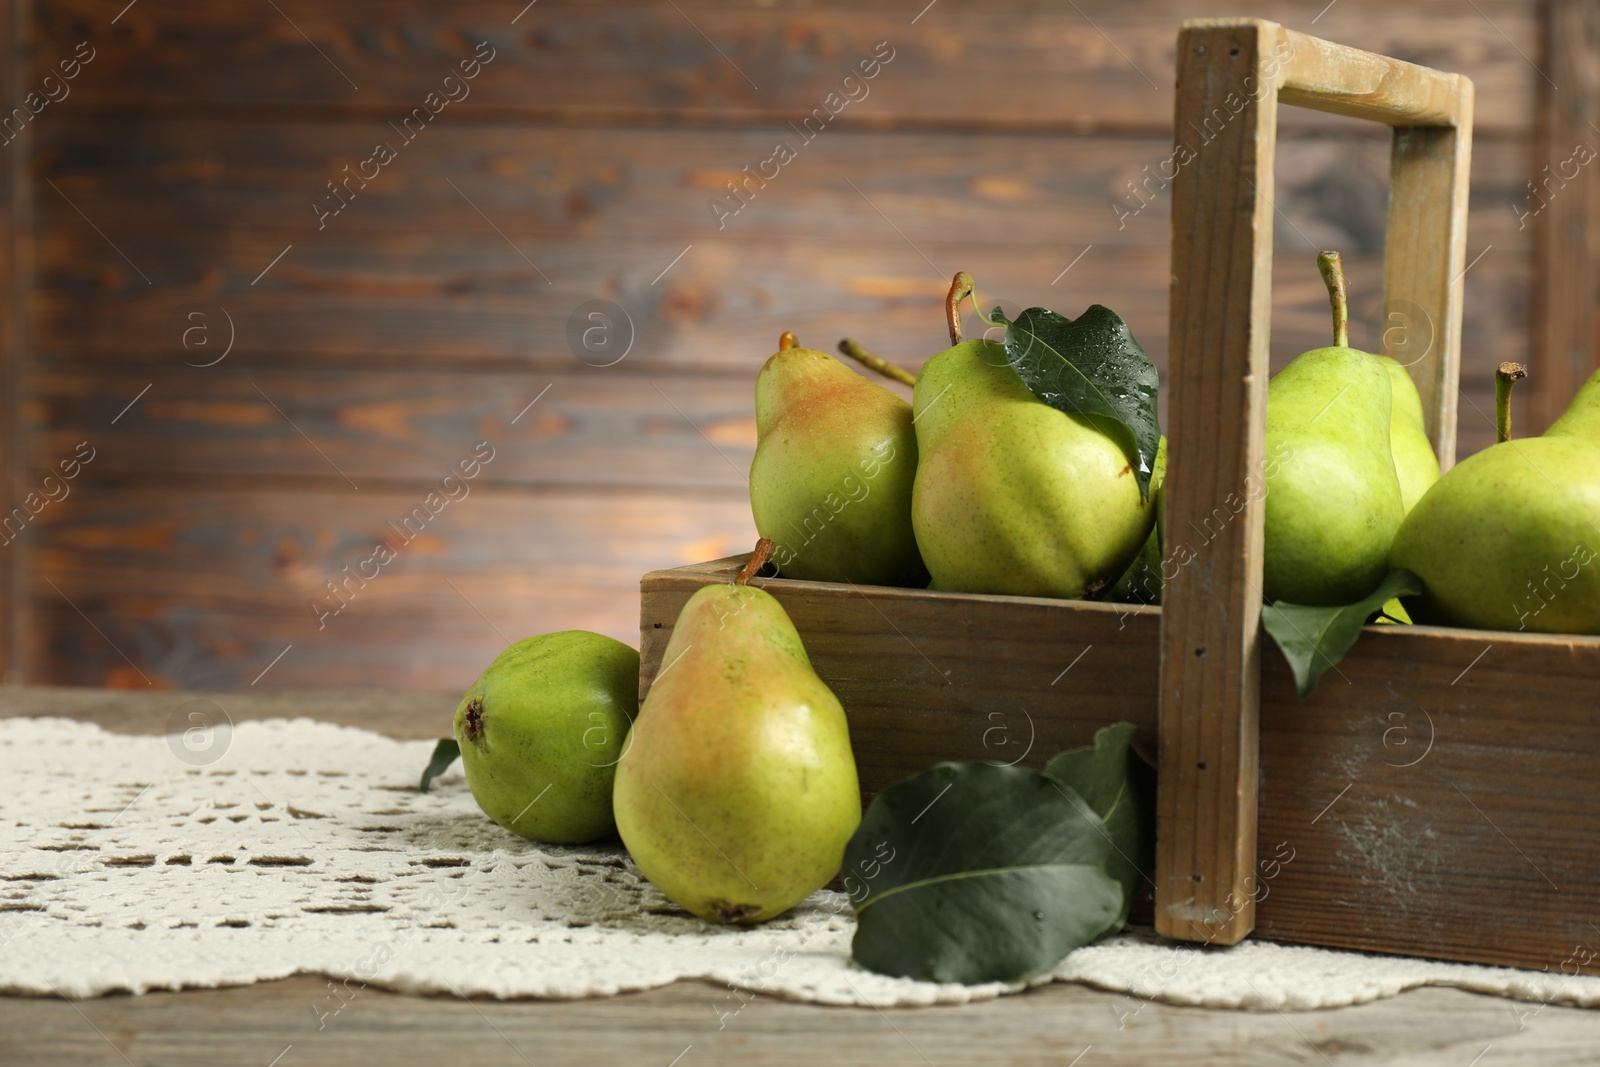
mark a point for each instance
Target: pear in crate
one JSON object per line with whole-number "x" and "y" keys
{"x": 1333, "y": 499}
{"x": 1415, "y": 464}
{"x": 1141, "y": 582}
{"x": 540, "y": 732}
{"x": 1011, "y": 495}
{"x": 830, "y": 483}
{"x": 1509, "y": 538}
{"x": 737, "y": 791}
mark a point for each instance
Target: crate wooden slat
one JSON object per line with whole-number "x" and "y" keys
{"x": 926, "y": 677}
{"x": 1421, "y": 797}
{"x": 1232, "y": 74}
{"x": 1437, "y": 794}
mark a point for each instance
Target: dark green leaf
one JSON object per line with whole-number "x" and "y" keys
{"x": 444, "y": 754}
{"x": 976, "y": 872}
{"x": 1314, "y": 639}
{"x": 1121, "y": 788}
{"x": 1090, "y": 366}
{"x": 1141, "y": 582}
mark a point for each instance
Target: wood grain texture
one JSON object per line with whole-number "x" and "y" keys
{"x": 1439, "y": 781}
{"x": 1048, "y": 1025}
{"x": 1210, "y": 636}
{"x": 220, "y": 429}
{"x": 408, "y": 714}
{"x": 459, "y": 301}
{"x": 183, "y": 586}
{"x": 1559, "y": 205}
{"x": 1431, "y": 798}
{"x": 1100, "y": 64}
{"x": 926, "y": 677}
{"x": 14, "y": 284}
{"x": 145, "y": 172}
{"x": 587, "y": 429}
{"x": 1336, "y": 78}
{"x": 1424, "y": 261}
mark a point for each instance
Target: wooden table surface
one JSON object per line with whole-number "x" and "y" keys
{"x": 273, "y": 1024}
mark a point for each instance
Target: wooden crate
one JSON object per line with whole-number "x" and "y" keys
{"x": 1423, "y": 798}
{"x": 1435, "y": 795}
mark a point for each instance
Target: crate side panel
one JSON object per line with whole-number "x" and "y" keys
{"x": 1437, "y": 796}
{"x": 927, "y": 676}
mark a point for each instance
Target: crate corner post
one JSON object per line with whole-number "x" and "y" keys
{"x": 1224, "y": 131}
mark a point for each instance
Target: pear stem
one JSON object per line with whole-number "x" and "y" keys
{"x": 867, "y": 358}
{"x": 961, "y": 287}
{"x": 1332, "y": 269}
{"x": 787, "y": 340}
{"x": 1508, "y": 375}
{"x": 758, "y": 559}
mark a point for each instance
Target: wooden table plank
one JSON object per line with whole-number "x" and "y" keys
{"x": 1051, "y": 1025}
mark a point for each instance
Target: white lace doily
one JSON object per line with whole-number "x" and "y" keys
{"x": 281, "y": 847}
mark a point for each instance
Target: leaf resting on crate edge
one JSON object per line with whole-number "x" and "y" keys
{"x": 1090, "y": 366}
{"x": 1121, "y": 788}
{"x": 1315, "y": 639}
{"x": 975, "y": 872}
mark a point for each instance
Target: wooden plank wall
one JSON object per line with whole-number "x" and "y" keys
{"x": 1562, "y": 202}
{"x": 13, "y": 189}
{"x": 369, "y": 351}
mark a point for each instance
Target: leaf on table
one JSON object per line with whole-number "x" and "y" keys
{"x": 1313, "y": 639}
{"x": 444, "y": 754}
{"x": 1121, "y": 788}
{"x": 975, "y": 872}
{"x": 1090, "y": 366}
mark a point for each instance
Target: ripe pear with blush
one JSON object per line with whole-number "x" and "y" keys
{"x": 736, "y": 791}
{"x": 830, "y": 484}
{"x": 1011, "y": 494}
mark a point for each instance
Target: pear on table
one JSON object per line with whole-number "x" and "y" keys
{"x": 1508, "y": 539}
{"x": 830, "y": 483}
{"x": 737, "y": 790}
{"x": 1012, "y": 495}
{"x": 540, "y": 732}
{"x": 1334, "y": 498}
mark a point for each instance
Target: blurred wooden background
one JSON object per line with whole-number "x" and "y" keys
{"x": 162, "y": 208}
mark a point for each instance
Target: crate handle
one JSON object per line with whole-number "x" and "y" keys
{"x": 1232, "y": 74}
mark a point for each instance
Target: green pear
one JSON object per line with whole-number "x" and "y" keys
{"x": 1508, "y": 538}
{"x": 540, "y": 732}
{"x": 1011, "y": 495}
{"x": 737, "y": 790}
{"x": 1414, "y": 461}
{"x": 830, "y": 483}
{"x": 1333, "y": 499}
